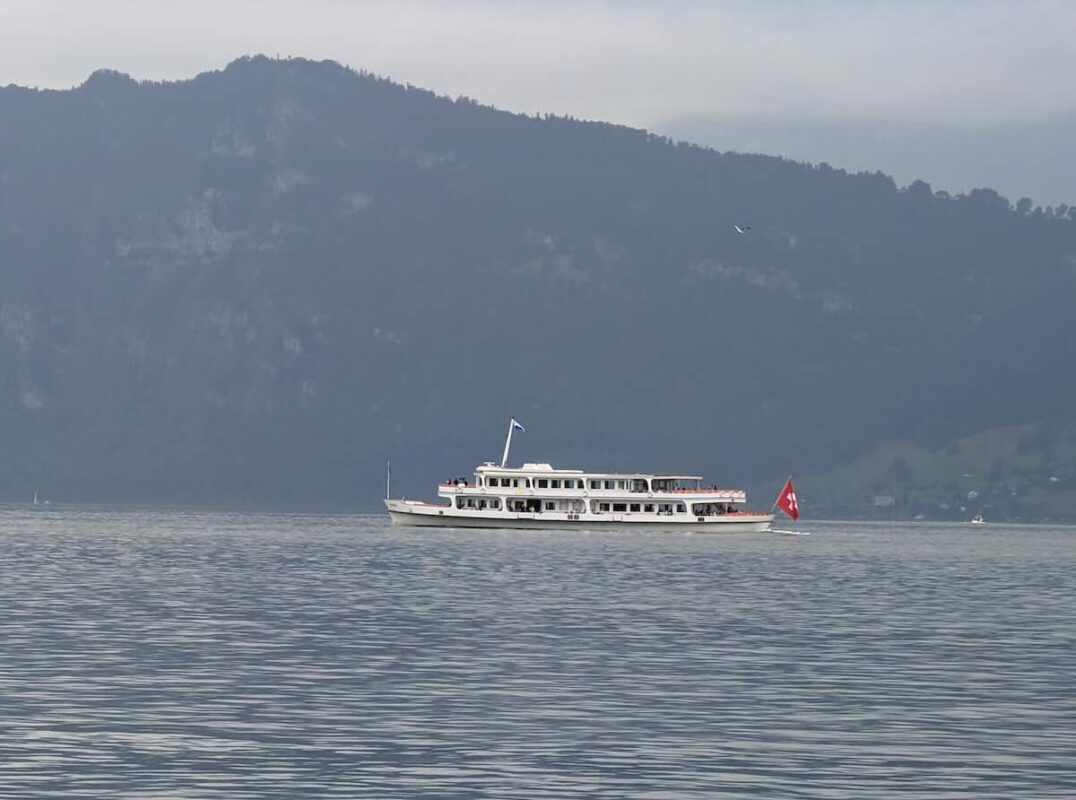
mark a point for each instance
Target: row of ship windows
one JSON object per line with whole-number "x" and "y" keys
{"x": 550, "y": 505}
{"x": 540, "y": 483}
{"x": 566, "y": 483}
{"x": 478, "y": 502}
{"x": 646, "y": 508}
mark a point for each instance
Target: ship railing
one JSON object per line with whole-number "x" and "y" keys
{"x": 698, "y": 491}
{"x": 472, "y": 486}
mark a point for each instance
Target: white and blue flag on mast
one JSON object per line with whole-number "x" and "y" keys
{"x": 517, "y": 426}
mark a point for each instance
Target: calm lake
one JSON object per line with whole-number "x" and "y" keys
{"x": 154, "y": 654}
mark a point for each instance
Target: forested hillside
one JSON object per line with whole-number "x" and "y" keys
{"x": 259, "y": 284}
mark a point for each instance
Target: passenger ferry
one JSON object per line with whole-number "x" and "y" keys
{"x": 540, "y": 496}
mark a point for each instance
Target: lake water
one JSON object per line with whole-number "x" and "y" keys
{"x": 205, "y": 655}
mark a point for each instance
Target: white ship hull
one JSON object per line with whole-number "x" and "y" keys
{"x": 416, "y": 514}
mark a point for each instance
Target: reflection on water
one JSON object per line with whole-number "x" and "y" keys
{"x": 167, "y": 654}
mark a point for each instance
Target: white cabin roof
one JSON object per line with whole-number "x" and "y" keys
{"x": 528, "y": 469}
{"x": 548, "y": 469}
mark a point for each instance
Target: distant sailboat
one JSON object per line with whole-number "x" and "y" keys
{"x": 35, "y": 498}
{"x": 978, "y": 520}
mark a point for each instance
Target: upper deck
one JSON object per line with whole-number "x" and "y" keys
{"x": 545, "y": 480}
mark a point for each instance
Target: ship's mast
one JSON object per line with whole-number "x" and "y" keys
{"x": 512, "y": 425}
{"x": 508, "y": 442}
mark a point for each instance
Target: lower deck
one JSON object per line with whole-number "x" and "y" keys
{"x": 646, "y": 506}
{"x": 426, "y": 515}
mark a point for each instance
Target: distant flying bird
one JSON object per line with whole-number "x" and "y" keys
{"x": 741, "y": 229}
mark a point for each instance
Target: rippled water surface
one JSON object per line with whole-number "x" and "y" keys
{"x": 200, "y": 655}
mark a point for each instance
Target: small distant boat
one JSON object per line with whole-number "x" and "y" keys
{"x": 978, "y": 520}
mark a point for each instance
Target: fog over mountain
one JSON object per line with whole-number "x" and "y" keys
{"x": 961, "y": 94}
{"x": 259, "y": 284}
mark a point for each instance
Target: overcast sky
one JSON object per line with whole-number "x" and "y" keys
{"x": 972, "y": 65}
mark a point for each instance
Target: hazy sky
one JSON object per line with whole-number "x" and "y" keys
{"x": 973, "y": 64}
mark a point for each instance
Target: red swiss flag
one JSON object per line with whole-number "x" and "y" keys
{"x": 787, "y": 502}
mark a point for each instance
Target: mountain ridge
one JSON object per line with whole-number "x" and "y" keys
{"x": 262, "y": 282}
